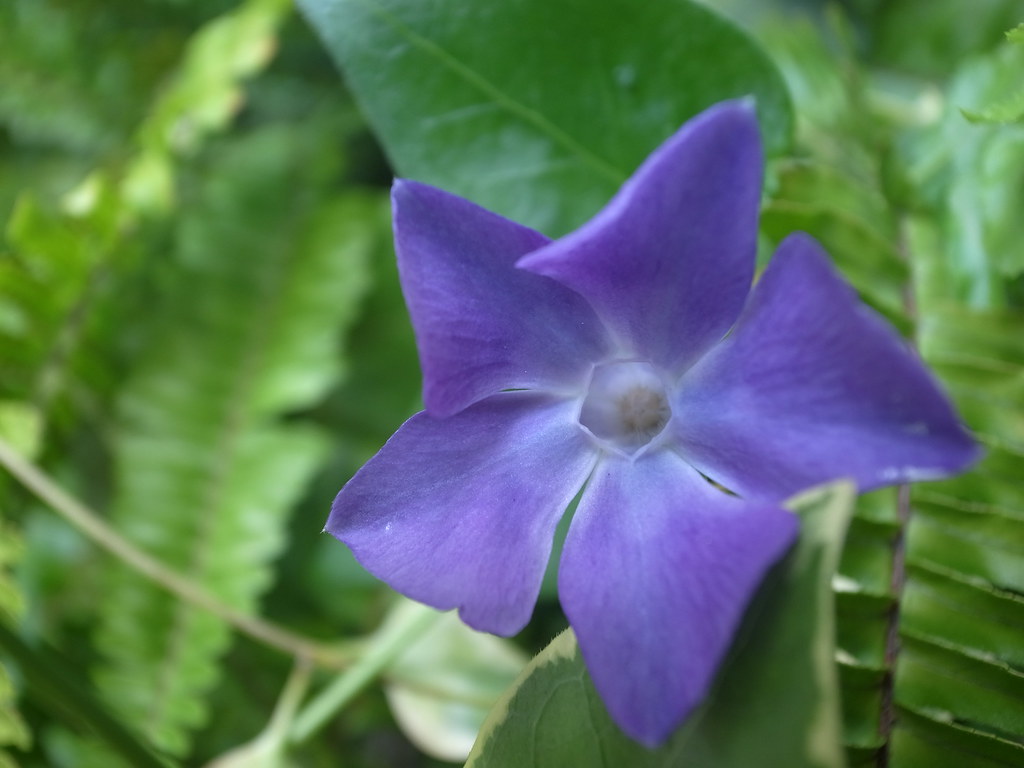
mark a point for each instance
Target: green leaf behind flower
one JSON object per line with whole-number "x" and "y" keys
{"x": 944, "y": 685}
{"x": 540, "y": 109}
{"x": 960, "y": 677}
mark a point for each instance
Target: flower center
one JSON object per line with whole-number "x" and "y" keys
{"x": 626, "y": 406}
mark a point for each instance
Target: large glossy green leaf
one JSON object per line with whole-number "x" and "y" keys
{"x": 775, "y": 704}
{"x": 539, "y": 109}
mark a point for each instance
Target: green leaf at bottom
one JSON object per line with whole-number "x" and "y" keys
{"x": 776, "y": 701}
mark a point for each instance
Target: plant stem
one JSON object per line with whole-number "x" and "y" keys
{"x": 887, "y": 716}
{"x": 268, "y": 748}
{"x": 288, "y": 703}
{"x": 383, "y": 648}
{"x": 897, "y": 581}
{"x": 93, "y": 527}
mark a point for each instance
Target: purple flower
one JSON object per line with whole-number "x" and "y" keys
{"x": 627, "y": 359}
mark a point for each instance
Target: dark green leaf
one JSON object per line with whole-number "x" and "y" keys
{"x": 539, "y": 109}
{"x": 58, "y": 687}
{"x": 928, "y": 37}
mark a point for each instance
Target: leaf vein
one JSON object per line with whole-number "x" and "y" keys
{"x": 513, "y": 106}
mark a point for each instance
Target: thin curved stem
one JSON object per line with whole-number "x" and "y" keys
{"x": 385, "y": 646}
{"x": 93, "y": 527}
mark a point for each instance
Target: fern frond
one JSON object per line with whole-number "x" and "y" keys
{"x": 851, "y": 220}
{"x": 13, "y": 730}
{"x": 49, "y": 280}
{"x": 958, "y": 674}
{"x": 20, "y": 426}
{"x": 207, "y": 467}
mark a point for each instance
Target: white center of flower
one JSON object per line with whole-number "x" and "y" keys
{"x": 626, "y": 406}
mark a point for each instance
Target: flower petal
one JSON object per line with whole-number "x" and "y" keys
{"x": 461, "y": 512}
{"x": 657, "y": 570}
{"x": 481, "y": 324}
{"x": 668, "y": 262}
{"x": 811, "y": 386}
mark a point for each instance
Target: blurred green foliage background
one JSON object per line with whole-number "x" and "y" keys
{"x": 202, "y": 337}
{"x": 195, "y": 217}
